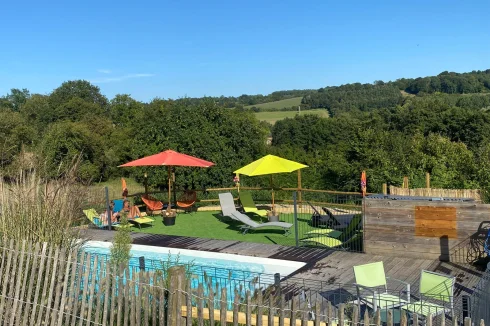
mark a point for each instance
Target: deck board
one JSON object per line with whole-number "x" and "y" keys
{"x": 325, "y": 265}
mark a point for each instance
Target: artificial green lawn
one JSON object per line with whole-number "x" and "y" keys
{"x": 208, "y": 225}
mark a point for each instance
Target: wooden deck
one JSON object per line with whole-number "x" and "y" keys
{"x": 331, "y": 266}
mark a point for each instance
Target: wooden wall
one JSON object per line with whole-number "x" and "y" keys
{"x": 418, "y": 228}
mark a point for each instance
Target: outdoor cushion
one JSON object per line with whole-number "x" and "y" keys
{"x": 385, "y": 300}
{"x": 424, "y": 308}
{"x": 249, "y": 205}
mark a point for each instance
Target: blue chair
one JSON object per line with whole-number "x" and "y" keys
{"x": 118, "y": 205}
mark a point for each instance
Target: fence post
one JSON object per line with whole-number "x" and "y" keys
{"x": 296, "y": 236}
{"x": 427, "y": 180}
{"x": 385, "y": 189}
{"x": 176, "y": 275}
{"x": 277, "y": 283}
{"x": 405, "y": 182}
{"x": 466, "y": 304}
{"x": 142, "y": 263}
{"x": 108, "y": 208}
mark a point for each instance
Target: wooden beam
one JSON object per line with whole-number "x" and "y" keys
{"x": 242, "y": 318}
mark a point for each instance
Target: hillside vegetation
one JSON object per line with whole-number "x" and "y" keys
{"x": 441, "y": 127}
{"x": 277, "y": 105}
{"x": 273, "y": 116}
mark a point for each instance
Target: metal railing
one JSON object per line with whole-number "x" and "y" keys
{"x": 310, "y": 293}
{"x": 480, "y": 300}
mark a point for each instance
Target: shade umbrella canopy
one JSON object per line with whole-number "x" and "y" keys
{"x": 270, "y": 164}
{"x": 169, "y": 158}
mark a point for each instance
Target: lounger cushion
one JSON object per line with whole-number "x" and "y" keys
{"x": 424, "y": 308}
{"x": 326, "y": 241}
{"x": 254, "y": 225}
{"x": 326, "y": 232}
{"x": 142, "y": 220}
{"x": 385, "y": 300}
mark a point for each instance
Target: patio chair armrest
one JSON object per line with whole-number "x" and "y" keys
{"x": 365, "y": 288}
{"x": 402, "y": 282}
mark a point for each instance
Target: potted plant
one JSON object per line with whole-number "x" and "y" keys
{"x": 273, "y": 216}
{"x": 169, "y": 216}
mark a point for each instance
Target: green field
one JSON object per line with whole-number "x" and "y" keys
{"x": 273, "y": 116}
{"x": 278, "y": 104}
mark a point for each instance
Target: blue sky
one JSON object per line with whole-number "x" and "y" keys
{"x": 196, "y": 48}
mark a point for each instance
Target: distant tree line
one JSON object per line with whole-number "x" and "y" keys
{"x": 373, "y": 127}
{"x": 77, "y": 119}
{"x": 363, "y": 97}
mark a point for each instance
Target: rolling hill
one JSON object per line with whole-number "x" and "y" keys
{"x": 274, "y": 116}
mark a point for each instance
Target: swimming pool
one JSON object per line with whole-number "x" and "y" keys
{"x": 216, "y": 270}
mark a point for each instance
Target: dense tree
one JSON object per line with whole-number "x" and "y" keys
{"x": 441, "y": 126}
{"x": 357, "y": 96}
{"x": 14, "y": 133}
{"x": 81, "y": 89}
{"x": 64, "y": 141}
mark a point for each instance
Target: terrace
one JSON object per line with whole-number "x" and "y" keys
{"x": 387, "y": 236}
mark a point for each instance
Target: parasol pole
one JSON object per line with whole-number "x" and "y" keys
{"x": 169, "y": 189}
{"x": 272, "y": 188}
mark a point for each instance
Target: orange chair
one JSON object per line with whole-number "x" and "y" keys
{"x": 152, "y": 204}
{"x": 187, "y": 200}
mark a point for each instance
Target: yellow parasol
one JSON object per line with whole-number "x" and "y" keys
{"x": 270, "y": 164}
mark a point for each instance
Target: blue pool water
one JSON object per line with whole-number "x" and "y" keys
{"x": 237, "y": 273}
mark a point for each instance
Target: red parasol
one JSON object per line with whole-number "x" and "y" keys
{"x": 169, "y": 158}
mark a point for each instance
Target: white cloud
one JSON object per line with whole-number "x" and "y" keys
{"x": 120, "y": 78}
{"x": 104, "y": 71}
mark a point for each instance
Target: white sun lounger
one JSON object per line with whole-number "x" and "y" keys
{"x": 228, "y": 209}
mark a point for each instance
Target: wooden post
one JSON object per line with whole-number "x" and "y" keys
{"x": 385, "y": 189}
{"x": 300, "y": 193}
{"x": 169, "y": 188}
{"x": 427, "y": 180}
{"x": 222, "y": 312}
{"x": 176, "y": 284}
{"x": 108, "y": 209}
{"x": 405, "y": 182}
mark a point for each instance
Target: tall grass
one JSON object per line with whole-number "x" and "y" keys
{"x": 40, "y": 210}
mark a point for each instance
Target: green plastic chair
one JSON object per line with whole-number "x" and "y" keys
{"x": 249, "y": 205}
{"x": 371, "y": 277}
{"x": 433, "y": 286}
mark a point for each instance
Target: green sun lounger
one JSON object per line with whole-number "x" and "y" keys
{"x": 248, "y": 204}
{"x": 141, "y": 220}
{"x": 369, "y": 278}
{"x": 433, "y": 286}
{"x": 331, "y": 242}
{"x": 94, "y": 217}
{"x": 337, "y": 234}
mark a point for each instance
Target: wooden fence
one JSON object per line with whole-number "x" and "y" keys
{"x": 208, "y": 199}
{"x": 421, "y": 228}
{"x": 434, "y": 192}
{"x": 42, "y": 284}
